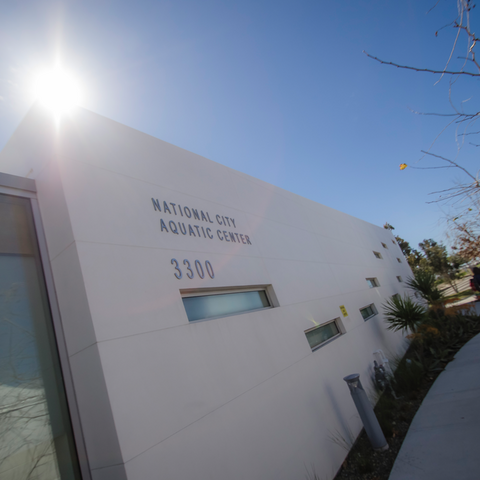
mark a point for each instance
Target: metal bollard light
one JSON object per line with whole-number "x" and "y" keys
{"x": 370, "y": 422}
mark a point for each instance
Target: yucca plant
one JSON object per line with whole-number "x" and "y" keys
{"x": 424, "y": 283}
{"x": 402, "y": 313}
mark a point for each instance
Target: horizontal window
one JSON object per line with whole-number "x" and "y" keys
{"x": 368, "y": 312}
{"x": 377, "y": 254}
{"x": 317, "y": 336}
{"x": 372, "y": 282}
{"x": 213, "y": 304}
{"x": 399, "y": 278}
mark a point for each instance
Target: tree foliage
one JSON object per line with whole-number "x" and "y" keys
{"x": 433, "y": 258}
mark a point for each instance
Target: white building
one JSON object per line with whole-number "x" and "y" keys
{"x": 165, "y": 379}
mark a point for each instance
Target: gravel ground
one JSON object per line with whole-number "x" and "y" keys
{"x": 363, "y": 463}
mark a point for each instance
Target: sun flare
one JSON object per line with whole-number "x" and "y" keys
{"x": 57, "y": 90}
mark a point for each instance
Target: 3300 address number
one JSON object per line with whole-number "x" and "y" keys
{"x": 198, "y": 267}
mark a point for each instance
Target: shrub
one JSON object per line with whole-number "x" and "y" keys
{"x": 408, "y": 376}
{"x": 384, "y": 411}
{"x": 424, "y": 282}
{"x": 404, "y": 314}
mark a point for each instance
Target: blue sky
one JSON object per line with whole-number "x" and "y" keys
{"x": 277, "y": 89}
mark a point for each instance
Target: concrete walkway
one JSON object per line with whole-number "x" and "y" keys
{"x": 443, "y": 442}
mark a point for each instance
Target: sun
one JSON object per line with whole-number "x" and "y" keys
{"x": 57, "y": 90}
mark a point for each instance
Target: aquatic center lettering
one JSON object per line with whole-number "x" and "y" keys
{"x": 178, "y": 227}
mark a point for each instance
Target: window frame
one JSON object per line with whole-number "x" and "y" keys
{"x": 338, "y": 324}
{"x": 205, "y": 292}
{"x": 22, "y": 187}
{"x": 372, "y": 282}
{"x": 373, "y": 308}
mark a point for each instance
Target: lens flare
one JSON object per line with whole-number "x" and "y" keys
{"x": 57, "y": 90}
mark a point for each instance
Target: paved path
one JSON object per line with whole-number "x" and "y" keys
{"x": 443, "y": 442}
{"x": 462, "y": 285}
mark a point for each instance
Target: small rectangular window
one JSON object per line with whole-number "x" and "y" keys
{"x": 368, "y": 311}
{"x": 384, "y": 245}
{"x": 216, "y": 304}
{"x": 372, "y": 282}
{"x": 398, "y": 260}
{"x": 317, "y": 336}
{"x": 399, "y": 278}
{"x": 377, "y": 254}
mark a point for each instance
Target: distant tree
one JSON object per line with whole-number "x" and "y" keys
{"x": 417, "y": 261}
{"x": 432, "y": 258}
{"x": 445, "y": 266}
{"x": 467, "y": 242}
{"x": 435, "y": 254}
{"x": 466, "y": 238}
{"x": 403, "y": 244}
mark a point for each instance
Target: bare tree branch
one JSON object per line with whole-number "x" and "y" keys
{"x": 463, "y": 199}
{"x": 451, "y": 53}
{"x": 469, "y": 115}
{"x": 470, "y": 133}
{"x": 438, "y": 72}
{"x": 451, "y": 162}
{"x": 438, "y": 1}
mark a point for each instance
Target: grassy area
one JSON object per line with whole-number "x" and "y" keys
{"x": 460, "y": 295}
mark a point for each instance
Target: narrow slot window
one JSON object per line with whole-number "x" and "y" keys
{"x": 398, "y": 260}
{"x": 213, "y": 305}
{"x": 320, "y": 335}
{"x": 399, "y": 278}
{"x": 368, "y": 311}
{"x": 384, "y": 245}
{"x": 377, "y": 255}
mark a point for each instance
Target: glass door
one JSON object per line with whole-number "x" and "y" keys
{"x": 36, "y": 441}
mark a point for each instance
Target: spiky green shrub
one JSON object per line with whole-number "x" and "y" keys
{"x": 445, "y": 332}
{"x": 424, "y": 283}
{"x": 402, "y": 313}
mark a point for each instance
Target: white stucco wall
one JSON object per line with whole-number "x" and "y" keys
{"x": 240, "y": 397}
